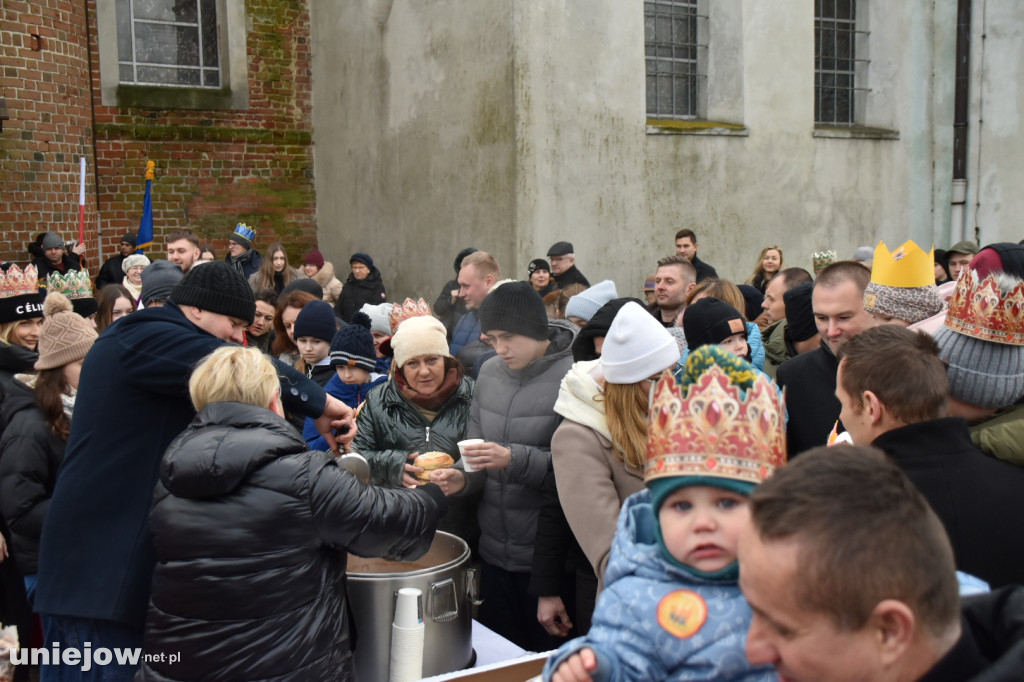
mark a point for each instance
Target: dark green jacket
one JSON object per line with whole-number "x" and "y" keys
{"x": 391, "y": 428}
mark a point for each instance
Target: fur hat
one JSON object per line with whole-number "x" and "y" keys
{"x": 636, "y": 347}
{"x": 133, "y": 260}
{"x": 219, "y": 288}
{"x": 515, "y": 307}
{"x": 421, "y": 335}
{"x": 352, "y": 346}
{"x": 709, "y": 321}
{"x": 316, "y": 319}
{"x": 584, "y": 304}
{"x": 66, "y": 336}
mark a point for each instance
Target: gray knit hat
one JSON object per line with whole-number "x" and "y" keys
{"x": 981, "y": 373}
{"x": 584, "y": 304}
{"x": 219, "y": 288}
{"x": 51, "y": 240}
{"x": 158, "y": 280}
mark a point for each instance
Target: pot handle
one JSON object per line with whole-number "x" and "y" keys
{"x": 472, "y": 589}
{"x": 444, "y": 605}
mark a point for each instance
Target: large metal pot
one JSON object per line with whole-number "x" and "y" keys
{"x": 449, "y": 590}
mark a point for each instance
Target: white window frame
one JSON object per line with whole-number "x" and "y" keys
{"x": 232, "y": 94}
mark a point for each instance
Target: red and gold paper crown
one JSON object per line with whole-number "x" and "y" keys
{"x": 18, "y": 282}
{"x": 979, "y": 308}
{"x": 410, "y": 308}
{"x": 713, "y": 427}
{"x": 73, "y": 284}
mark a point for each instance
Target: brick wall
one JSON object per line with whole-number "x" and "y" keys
{"x": 44, "y": 78}
{"x": 213, "y": 168}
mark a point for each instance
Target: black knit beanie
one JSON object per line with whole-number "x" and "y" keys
{"x": 800, "y": 324}
{"x": 316, "y": 319}
{"x": 216, "y": 286}
{"x": 352, "y": 346}
{"x": 515, "y": 307}
{"x": 709, "y": 321}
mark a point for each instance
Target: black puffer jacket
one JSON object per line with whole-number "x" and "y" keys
{"x": 251, "y": 532}
{"x": 14, "y": 359}
{"x": 391, "y": 428}
{"x": 357, "y": 292}
{"x": 30, "y": 455}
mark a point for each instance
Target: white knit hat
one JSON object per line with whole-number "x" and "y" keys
{"x": 379, "y": 316}
{"x": 636, "y": 347}
{"x": 422, "y": 335}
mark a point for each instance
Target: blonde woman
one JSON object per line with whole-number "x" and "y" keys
{"x": 251, "y": 531}
{"x": 599, "y": 449}
{"x": 769, "y": 263}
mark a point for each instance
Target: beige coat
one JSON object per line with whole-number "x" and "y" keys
{"x": 328, "y": 282}
{"x": 592, "y": 482}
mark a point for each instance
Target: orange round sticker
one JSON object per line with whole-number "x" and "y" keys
{"x": 682, "y": 613}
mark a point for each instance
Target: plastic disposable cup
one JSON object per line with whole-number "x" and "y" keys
{"x": 409, "y": 608}
{"x": 462, "y": 451}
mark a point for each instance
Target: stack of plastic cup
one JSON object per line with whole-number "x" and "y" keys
{"x": 407, "y": 636}
{"x": 466, "y": 466}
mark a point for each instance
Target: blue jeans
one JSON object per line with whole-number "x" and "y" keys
{"x": 74, "y": 633}
{"x": 30, "y": 588}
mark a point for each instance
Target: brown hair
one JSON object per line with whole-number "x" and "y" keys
{"x": 483, "y": 264}
{"x": 294, "y": 299}
{"x": 865, "y": 534}
{"x": 184, "y": 234}
{"x": 556, "y": 301}
{"x": 686, "y": 232}
{"x": 625, "y": 410}
{"x": 871, "y": 359}
{"x": 792, "y": 277}
{"x": 105, "y": 301}
{"x": 844, "y": 271}
{"x": 723, "y": 290}
{"x": 759, "y": 268}
{"x": 50, "y": 386}
{"x": 265, "y": 275}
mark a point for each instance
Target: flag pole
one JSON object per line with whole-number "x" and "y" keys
{"x": 81, "y": 204}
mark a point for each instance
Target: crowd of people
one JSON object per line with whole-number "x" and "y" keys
{"x": 809, "y": 474}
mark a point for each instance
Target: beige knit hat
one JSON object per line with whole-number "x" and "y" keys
{"x": 66, "y": 336}
{"x": 419, "y": 336}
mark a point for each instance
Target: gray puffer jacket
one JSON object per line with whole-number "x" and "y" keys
{"x": 515, "y": 408}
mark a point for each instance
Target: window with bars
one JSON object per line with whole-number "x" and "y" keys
{"x": 836, "y": 63}
{"x": 168, "y": 42}
{"x": 675, "y": 54}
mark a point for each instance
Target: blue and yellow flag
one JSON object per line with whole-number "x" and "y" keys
{"x": 145, "y": 238}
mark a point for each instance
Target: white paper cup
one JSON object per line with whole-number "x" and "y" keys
{"x": 406, "y": 659}
{"x": 462, "y": 451}
{"x": 409, "y": 608}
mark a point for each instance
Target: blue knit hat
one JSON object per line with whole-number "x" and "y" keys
{"x": 316, "y": 319}
{"x": 352, "y": 346}
{"x": 360, "y": 257}
{"x": 584, "y": 304}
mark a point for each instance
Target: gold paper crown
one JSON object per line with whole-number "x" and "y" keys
{"x": 982, "y": 310}
{"x": 410, "y": 308}
{"x": 908, "y": 267}
{"x": 74, "y": 284}
{"x": 823, "y": 258}
{"x": 18, "y": 282}
{"x": 713, "y": 428}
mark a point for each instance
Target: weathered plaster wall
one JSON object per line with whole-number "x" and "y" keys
{"x": 414, "y": 137}
{"x": 995, "y": 147}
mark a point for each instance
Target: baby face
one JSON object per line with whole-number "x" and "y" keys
{"x": 701, "y": 526}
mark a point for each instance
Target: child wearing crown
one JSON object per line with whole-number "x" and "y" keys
{"x": 672, "y": 608}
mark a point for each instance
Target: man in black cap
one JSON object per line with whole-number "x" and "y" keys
{"x": 96, "y": 556}
{"x": 111, "y": 272}
{"x": 563, "y": 266}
